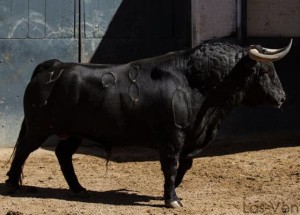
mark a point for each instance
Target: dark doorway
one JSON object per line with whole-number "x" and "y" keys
{"x": 139, "y": 29}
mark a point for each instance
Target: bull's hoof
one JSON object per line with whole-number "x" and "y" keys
{"x": 81, "y": 194}
{"x": 11, "y": 187}
{"x": 173, "y": 204}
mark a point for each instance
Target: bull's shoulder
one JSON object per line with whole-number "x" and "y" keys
{"x": 177, "y": 94}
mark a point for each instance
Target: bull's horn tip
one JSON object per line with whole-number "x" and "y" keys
{"x": 291, "y": 41}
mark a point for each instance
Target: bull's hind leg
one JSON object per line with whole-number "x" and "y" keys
{"x": 169, "y": 157}
{"x": 64, "y": 152}
{"x": 26, "y": 144}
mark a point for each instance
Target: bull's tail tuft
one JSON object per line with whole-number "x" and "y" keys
{"x": 108, "y": 150}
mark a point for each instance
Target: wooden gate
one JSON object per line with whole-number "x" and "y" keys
{"x": 101, "y": 31}
{"x": 30, "y": 31}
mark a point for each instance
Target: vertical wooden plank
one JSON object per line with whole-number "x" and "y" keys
{"x": 213, "y": 19}
{"x": 20, "y": 16}
{"x": 91, "y": 15}
{"x": 53, "y": 19}
{"x": 37, "y": 9}
{"x": 5, "y": 16}
{"x": 13, "y": 19}
{"x": 107, "y": 10}
{"x": 78, "y": 21}
{"x": 68, "y": 18}
{"x": 241, "y": 19}
{"x": 60, "y": 18}
{"x": 97, "y": 16}
{"x": 194, "y": 31}
{"x": 103, "y": 20}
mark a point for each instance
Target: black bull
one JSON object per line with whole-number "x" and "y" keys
{"x": 173, "y": 102}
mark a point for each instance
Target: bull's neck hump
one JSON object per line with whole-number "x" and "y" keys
{"x": 172, "y": 61}
{"x": 217, "y": 106}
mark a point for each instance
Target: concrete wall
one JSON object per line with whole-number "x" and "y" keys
{"x": 212, "y": 19}
{"x": 275, "y": 18}
{"x": 268, "y": 18}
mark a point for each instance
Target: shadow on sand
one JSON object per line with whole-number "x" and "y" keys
{"x": 220, "y": 147}
{"x": 111, "y": 197}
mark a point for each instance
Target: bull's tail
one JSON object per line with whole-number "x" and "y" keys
{"x": 21, "y": 136}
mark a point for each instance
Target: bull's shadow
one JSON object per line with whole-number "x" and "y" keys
{"x": 253, "y": 142}
{"x": 111, "y": 197}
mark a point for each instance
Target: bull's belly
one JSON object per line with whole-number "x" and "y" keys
{"x": 119, "y": 136}
{"x": 107, "y": 129}
{"x": 115, "y": 136}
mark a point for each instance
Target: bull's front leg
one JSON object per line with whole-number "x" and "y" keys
{"x": 169, "y": 157}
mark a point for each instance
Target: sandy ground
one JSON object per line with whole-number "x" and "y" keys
{"x": 247, "y": 175}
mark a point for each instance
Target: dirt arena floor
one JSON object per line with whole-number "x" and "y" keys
{"x": 246, "y": 175}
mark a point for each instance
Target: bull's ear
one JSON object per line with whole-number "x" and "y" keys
{"x": 251, "y": 65}
{"x": 257, "y": 66}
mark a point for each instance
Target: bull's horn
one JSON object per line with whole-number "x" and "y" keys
{"x": 269, "y": 54}
{"x": 271, "y": 51}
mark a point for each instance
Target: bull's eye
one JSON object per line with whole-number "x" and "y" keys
{"x": 265, "y": 67}
{"x": 265, "y": 74}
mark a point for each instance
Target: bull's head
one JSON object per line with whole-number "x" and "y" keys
{"x": 267, "y": 88}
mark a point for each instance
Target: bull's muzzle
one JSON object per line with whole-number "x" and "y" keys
{"x": 281, "y": 99}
